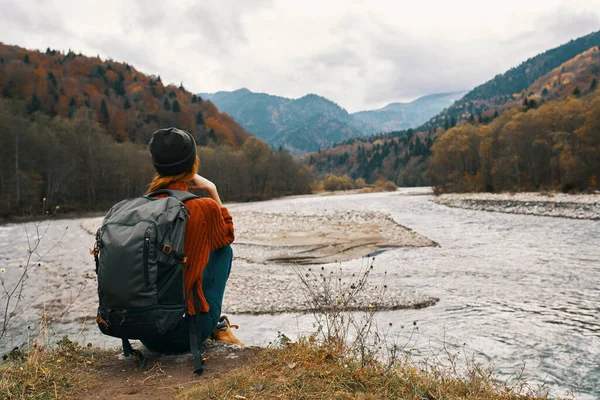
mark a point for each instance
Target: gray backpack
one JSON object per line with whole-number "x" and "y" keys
{"x": 139, "y": 262}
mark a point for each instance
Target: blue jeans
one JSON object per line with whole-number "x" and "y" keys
{"x": 214, "y": 279}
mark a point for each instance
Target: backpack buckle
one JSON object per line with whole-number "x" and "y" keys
{"x": 167, "y": 249}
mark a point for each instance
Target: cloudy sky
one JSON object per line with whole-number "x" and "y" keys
{"x": 360, "y": 54}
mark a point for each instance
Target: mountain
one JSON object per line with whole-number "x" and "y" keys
{"x": 502, "y": 87}
{"x": 128, "y": 103}
{"x": 288, "y": 122}
{"x": 559, "y": 76}
{"x": 399, "y": 116}
{"x": 313, "y": 122}
{"x": 74, "y": 132}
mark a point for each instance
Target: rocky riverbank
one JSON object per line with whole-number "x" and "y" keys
{"x": 272, "y": 251}
{"x": 579, "y": 206}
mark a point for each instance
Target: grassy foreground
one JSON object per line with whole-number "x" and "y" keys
{"x": 312, "y": 370}
{"x": 305, "y": 370}
{"x": 45, "y": 373}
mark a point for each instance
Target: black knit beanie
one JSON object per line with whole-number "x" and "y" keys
{"x": 173, "y": 151}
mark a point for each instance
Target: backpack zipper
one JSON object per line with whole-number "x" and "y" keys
{"x": 146, "y": 272}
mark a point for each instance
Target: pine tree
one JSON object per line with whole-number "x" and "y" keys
{"x": 545, "y": 92}
{"x": 104, "y": 115}
{"x": 26, "y": 59}
{"x": 194, "y": 99}
{"x": 593, "y": 85}
{"x": 166, "y": 104}
{"x": 212, "y": 135}
{"x": 34, "y": 105}
{"x": 126, "y": 105}
{"x": 199, "y": 119}
{"x": 52, "y": 78}
{"x": 576, "y": 92}
{"x": 176, "y": 106}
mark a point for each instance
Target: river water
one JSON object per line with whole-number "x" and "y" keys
{"x": 519, "y": 292}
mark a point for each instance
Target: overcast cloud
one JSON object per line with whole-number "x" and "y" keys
{"x": 360, "y": 54}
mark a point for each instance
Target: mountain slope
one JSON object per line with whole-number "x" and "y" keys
{"x": 283, "y": 122}
{"x": 286, "y": 122}
{"x": 501, "y": 88}
{"x": 130, "y": 104}
{"x": 398, "y": 116}
{"x": 403, "y": 155}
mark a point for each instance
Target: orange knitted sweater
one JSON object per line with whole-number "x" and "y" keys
{"x": 208, "y": 228}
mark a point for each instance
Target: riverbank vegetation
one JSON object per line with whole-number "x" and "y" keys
{"x": 74, "y": 163}
{"x": 74, "y": 129}
{"x": 555, "y": 146}
{"x": 331, "y": 183}
{"x": 534, "y": 127}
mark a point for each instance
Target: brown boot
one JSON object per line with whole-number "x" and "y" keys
{"x": 224, "y": 333}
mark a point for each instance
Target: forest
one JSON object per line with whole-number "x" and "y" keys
{"x": 539, "y": 156}
{"x": 556, "y": 146}
{"x": 74, "y": 130}
{"x": 75, "y": 164}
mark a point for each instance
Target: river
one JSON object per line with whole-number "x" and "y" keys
{"x": 519, "y": 292}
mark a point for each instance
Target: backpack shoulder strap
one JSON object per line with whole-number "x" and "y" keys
{"x": 180, "y": 195}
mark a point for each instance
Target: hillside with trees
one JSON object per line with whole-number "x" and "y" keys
{"x": 405, "y": 156}
{"x": 298, "y": 125}
{"x": 556, "y": 146}
{"x": 503, "y": 87}
{"x": 399, "y": 116}
{"x": 74, "y": 130}
{"x": 128, "y": 104}
{"x": 313, "y": 122}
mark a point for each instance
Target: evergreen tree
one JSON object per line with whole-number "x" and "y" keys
{"x": 176, "y": 106}
{"x": 126, "y": 105}
{"x": 181, "y": 87}
{"x": 452, "y": 122}
{"x": 104, "y": 115}
{"x": 166, "y": 104}
{"x": 576, "y": 92}
{"x": 26, "y": 59}
{"x": 544, "y": 92}
{"x": 594, "y": 84}
{"x": 34, "y": 104}
{"x": 194, "y": 99}
{"x": 52, "y": 78}
{"x": 199, "y": 119}
{"x": 212, "y": 136}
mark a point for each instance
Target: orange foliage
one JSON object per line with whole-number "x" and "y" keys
{"x": 135, "y": 106}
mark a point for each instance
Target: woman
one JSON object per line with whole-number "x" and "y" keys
{"x": 208, "y": 233}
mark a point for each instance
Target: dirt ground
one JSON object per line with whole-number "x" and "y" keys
{"x": 163, "y": 377}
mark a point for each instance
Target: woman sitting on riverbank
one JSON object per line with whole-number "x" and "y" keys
{"x": 208, "y": 233}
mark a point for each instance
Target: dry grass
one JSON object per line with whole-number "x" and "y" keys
{"x": 312, "y": 370}
{"x": 350, "y": 357}
{"x": 380, "y": 186}
{"x": 45, "y": 373}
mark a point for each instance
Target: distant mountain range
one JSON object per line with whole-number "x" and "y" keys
{"x": 398, "y": 116}
{"x": 313, "y": 122}
{"x": 572, "y": 69}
